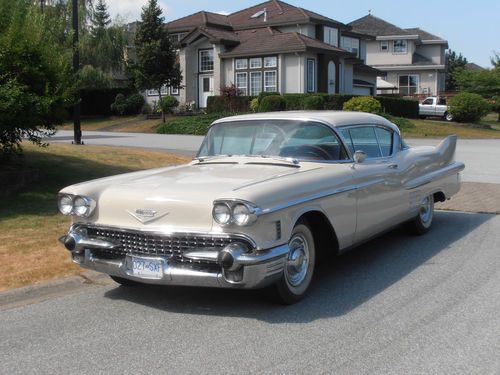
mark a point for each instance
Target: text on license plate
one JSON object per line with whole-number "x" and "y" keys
{"x": 149, "y": 268}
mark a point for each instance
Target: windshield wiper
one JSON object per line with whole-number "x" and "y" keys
{"x": 281, "y": 158}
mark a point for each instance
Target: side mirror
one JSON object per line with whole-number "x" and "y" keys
{"x": 359, "y": 156}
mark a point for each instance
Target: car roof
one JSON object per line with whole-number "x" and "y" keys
{"x": 331, "y": 118}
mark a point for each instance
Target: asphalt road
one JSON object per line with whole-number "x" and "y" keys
{"x": 397, "y": 305}
{"x": 480, "y": 156}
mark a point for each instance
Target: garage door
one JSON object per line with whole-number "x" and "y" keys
{"x": 358, "y": 90}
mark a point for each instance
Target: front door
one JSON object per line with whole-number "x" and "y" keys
{"x": 206, "y": 89}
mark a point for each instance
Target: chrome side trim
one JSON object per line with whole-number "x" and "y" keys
{"x": 456, "y": 167}
{"x": 166, "y": 233}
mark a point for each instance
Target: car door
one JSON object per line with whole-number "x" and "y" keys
{"x": 427, "y": 107}
{"x": 378, "y": 187}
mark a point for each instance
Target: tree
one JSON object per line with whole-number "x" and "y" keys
{"x": 35, "y": 76}
{"x": 100, "y": 18}
{"x": 156, "y": 64}
{"x": 453, "y": 62}
{"x": 495, "y": 59}
{"x": 484, "y": 82}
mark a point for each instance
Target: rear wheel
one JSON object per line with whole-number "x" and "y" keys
{"x": 299, "y": 267}
{"x": 423, "y": 221}
{"x": 448, "y": 116}
{"x": 124, "y": 282}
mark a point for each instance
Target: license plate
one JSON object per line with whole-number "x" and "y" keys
{"x": 147, "y": 268}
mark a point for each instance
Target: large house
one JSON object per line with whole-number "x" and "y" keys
{"x": 412, "y": 60}
{"x": 272, "y": 46}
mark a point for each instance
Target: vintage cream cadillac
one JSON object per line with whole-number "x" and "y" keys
{"x": 264, "y": 196}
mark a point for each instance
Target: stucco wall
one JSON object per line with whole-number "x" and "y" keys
{"x": 433, "y": 52}
{"x": 309, "y": 30}
{"x": 293, "y": 71}
{"x": 375, "y": 57}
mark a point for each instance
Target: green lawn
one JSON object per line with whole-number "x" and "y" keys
{"x": 30, "y": 222}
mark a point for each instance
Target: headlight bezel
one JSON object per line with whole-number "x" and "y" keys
{"x": 88, "y": 203}
{"x": 251, "y": 216}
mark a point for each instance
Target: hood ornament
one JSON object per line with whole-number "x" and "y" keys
{"x": 145, "y": 215}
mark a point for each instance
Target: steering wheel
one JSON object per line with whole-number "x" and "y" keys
{"x": 315, "y": 152}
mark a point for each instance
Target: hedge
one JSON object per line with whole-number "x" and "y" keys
{"x": 97, "y": 102}
{"x": 394, "y": 106}
{"x": 219, "y": 104}
{"x": 399, "y": 107}
{"x": 272, "y": 103}
{"x": 195, "y": 125}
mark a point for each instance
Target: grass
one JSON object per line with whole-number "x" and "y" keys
{"x": 439, "y": 129}
{"x": 133, "y": 124}
{"x": 29, "y": 221}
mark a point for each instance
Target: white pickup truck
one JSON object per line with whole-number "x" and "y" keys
{"x": 434, "y": 106}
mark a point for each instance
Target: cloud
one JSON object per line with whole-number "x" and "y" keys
{"x": 130, "y": 10}
{"x": 223, "y": 12}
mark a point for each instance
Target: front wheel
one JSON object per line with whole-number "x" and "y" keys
{"x": 448, "y": 116}
{"x": 423, "y": 221}
{"x": 299, "y": 267}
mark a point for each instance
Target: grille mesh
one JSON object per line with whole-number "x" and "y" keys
{"x": 151, "y": 244}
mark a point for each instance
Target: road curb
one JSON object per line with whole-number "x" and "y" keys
{"x": 40, "y": 292}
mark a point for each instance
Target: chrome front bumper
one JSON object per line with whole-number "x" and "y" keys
{"x": 249, "y": 270}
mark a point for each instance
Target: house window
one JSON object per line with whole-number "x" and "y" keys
{"x": 350, "y": 44}
{"x": 408, "y": 84}
{"x": 400, "y": 46}
{"x": 154, "y": 92}
{"x": 311, "y": 71}
{"x": 241, "y": 64}
{"x": 206, "y": 60}
{"x": 242, "y": 83}
{"x": 331, "y": 36}
{"x": 270, "y": 62}
{"x": 255, "y": 83}
{"x": 270, "y": 81}
{"x": 384, "y": 46}
{"x": 174, "y": 91}
{"x": 256, "y": 63}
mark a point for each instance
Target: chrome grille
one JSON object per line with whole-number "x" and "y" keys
{"x": 154, "y": 244}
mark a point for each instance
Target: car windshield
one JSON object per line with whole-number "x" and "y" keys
{"x": 302, "y": 140}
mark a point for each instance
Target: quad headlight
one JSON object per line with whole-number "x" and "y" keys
{"x": 76, "y": 205}
{"x": 234, "y": 212}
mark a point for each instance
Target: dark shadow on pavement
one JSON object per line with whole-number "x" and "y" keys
{"x": 340, "y": 285}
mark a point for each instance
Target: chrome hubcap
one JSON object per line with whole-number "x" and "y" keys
{"x": 297, "y": 261}
{"x": 426, "y": 211}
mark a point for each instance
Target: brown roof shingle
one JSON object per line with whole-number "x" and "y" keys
{"x": 375, "y": 26}
{"x": 201, "y": 18}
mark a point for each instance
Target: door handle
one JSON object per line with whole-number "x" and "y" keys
{"x": 392, "y": 166}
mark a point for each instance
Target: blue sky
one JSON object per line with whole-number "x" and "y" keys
{"x": 471, "y": 27}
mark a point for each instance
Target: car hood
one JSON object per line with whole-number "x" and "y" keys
{"x": 176, "y": 199}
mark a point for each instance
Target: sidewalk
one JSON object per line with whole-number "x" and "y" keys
{"x": 474, "y": 197}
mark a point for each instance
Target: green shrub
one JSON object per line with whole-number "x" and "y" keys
{"x": 294, "y": 102}
{"x": 226, "y": 104}
{"x": 314, "y": 102}
{"x": 336, "y": 102}
{"x": 398, "y": 106}
{"x": 254, "y": 105}
{"x": 363, "y": 104}
{"x": 168, "y": 103}
{"x": 272, "y": 103}
{"x": 263, "y": 94}
{"x": 193, "y": 125}
{"x": 401, "y": 122}
{"x": 130, "y": 105}
{"x": 468, "y": 107}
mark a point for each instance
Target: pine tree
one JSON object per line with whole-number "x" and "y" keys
{"x": 156, "y": 64}
{"x": 454, "y": 62}
{"x": 100, "y": 18}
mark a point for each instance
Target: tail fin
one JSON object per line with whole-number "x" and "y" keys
{"x": 447, "y": 147}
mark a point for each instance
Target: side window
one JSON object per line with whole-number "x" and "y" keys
{"x": 442, "y": 101}
{"x": 428, "y": 102}
{"x": 347, "y": 139}
{"x": 384, "y": 138}
{"x": 364, "y": 139}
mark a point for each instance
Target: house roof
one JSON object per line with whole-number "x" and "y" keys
{"x": 375, "y": 26}
{"x": 424, "y": 35}
{"x": 201, "y": 18}
{"x": 473, "y": 66}
{"x": 278, "y": 13}
{"x": 255, "y": 42}
{"x": 214, "y": 35}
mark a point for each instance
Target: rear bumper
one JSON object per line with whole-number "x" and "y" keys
{"x": 249, "y": 270}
